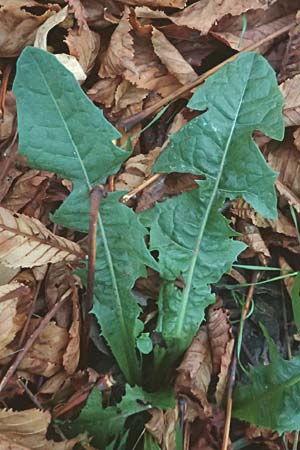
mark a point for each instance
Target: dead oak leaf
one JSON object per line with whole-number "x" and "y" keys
{"x": 18, "y": 25}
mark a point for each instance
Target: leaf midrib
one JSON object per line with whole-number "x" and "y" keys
{"x": 105, "y": 242}
{"x": 188, "y": 286}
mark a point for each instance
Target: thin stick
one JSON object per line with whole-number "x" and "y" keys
{"x": 3, "y": 90}
{"x": 18, "y": 292}
{"x": 44, "y": 322}
{"x": 97, "y": 194}
{"x": 141, "y": 187}
{"x": 136, "y": 118}
{"x": 231, "y": 378}
{"x": 25, "y": 328}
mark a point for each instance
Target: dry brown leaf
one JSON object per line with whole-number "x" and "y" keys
{"x": 172, "y": 59}
{"x": 18, "y": 26}
{"x": 25, "y": 189}
{"x": 282, "y": 225}
{"x": 203, "y": 14}
{"x": 28, "y": 428}
{"x": 84, "y": 45}
{"x": 26, "y": 242}
{"x": 10, "y": 321}
{"x": 157, "y": 3}
{"x": 194, "y": 372}
{"x": 136, "y": 170}
{"x": 45, "y": 357}
{"x": 224, "y": 370}
{"x": 72, "y": 353}
{"x": 256, "y": 244}
{"x": 291, "y": 108}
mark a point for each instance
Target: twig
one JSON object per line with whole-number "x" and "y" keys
{"x": 97, "y": 194}
{"x": 231, "y": 378}
{"x": 3, "y": 90}
{"x": 18, "y": 292}
{"x": 44, "y": 322}
{"x": 141, "y": 187}
{"x": 25, "y": 328}
{"x": 136, "y": 118}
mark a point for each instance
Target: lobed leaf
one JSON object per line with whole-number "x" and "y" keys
{"x": 189, "y": 231}
{"x": 62, "y": 131}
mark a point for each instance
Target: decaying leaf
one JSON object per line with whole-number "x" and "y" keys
{"x": 9, "y": 116}
{"x": 291, "y": 61}
{"x": 26, "y": 430}
{"x": 18, "y": 25}
{"x": 84, "y": 45}
{"x": 45, "y": 357}
{"x": 27, "y": 242}
{"x": 157, "y": 3}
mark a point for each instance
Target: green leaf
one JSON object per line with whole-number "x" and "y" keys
{"x": 272, "y": 398}
{"x": 189, "y": 231}
{"x": 62, "y": 131}
{"x": 105, "y": 424}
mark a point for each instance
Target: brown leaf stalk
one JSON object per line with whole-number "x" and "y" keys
{"x": 136, "y": 118}
{"x": 3, "y": 90}
{"x": 97, "y": 194}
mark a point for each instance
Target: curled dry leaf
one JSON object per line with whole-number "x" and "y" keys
{"x": 18, "y": 25}
{"x": 291, "y": 107}
{"x": 296, "y": 136}
{"x": 72, "y": 353}
{"x": 27, "y": 242}
{"x": 289, "y": 281}
{"x": 172, "y": 59}
{"x": 103, "y": 91}
{"x": 194, "y": 372}
{"x": 10, "y": 320}
{"x": 136, "y": 170}
{"x": 28, "y": 429}
{"x": 45, "y": 357}
{"x": 69, "y": 61}
{"x": 127, "y": 94}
